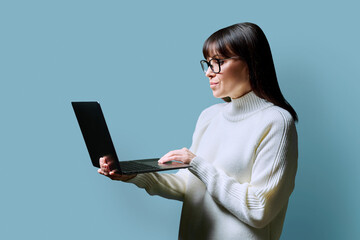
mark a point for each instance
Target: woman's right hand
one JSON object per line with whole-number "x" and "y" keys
{"x": 107, "y": 169}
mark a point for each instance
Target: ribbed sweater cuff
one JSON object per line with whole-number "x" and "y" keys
{"x": 142, "y": 180}
{"x": 200, "y": 168}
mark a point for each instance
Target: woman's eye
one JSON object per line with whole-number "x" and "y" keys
{"x": 221, "y": 62}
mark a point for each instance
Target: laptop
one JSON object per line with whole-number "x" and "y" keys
{"x": 99, "y": 143}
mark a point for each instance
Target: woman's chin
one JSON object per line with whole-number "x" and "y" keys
{"x": 217, "y": 95}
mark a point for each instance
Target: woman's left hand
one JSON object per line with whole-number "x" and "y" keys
{"x": 182, "y": 155}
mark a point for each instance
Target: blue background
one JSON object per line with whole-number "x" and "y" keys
{"x": 140, "y": 59}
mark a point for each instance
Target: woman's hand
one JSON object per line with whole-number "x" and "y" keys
{"x": 182, "y": 155}
{"x": 107, "y": 169}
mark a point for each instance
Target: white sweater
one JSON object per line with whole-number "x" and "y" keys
{"x": 239, "y": 184}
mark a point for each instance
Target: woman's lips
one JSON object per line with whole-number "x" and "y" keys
{"x": 213, "y": 84}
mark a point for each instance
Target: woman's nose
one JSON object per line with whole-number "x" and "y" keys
{"x": 209, "y": 73}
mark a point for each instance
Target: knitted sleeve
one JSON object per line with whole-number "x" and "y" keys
{"x": 170, "y": 186}
{"x": 273, "y": 176}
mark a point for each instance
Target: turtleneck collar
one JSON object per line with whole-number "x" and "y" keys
{"x": 241, "y": 108}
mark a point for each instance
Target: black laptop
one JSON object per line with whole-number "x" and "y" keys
{"x": 99, "y": 144}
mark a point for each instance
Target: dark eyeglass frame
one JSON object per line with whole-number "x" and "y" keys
{"x": 218, "y": 61}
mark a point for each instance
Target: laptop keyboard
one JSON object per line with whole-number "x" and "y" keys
{"x": 132, "y": 166}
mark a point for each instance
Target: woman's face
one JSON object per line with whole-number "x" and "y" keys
{"x": 232, "y": 81}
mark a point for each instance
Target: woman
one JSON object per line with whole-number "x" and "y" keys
{"x": 244, "y": 152}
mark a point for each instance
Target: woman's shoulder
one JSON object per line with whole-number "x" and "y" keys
{"x": 210, "y": 112}
{"x": 277, "y": 115}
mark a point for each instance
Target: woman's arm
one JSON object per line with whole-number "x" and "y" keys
{"x": 166, "y": 185}
{"x": 171, "y": 186}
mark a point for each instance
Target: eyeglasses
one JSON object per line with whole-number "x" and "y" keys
{"x": 214, "y": 64}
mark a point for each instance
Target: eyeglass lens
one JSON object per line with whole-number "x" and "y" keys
{"x": 213, "y": 64}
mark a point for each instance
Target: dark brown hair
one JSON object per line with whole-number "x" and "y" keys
{"x": 248, "y": 41}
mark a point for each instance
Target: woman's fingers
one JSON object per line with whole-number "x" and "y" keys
{"x": 103, "y": 165}
{"x": 106, "y": 164}
{"x": 102, "y": 172}
{"x": 183, "y": 155}
{"x": 170, "y": 156}
{"x": 111, "y": 173}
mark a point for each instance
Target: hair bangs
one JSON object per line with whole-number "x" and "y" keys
{"x": 217, "y": 45}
